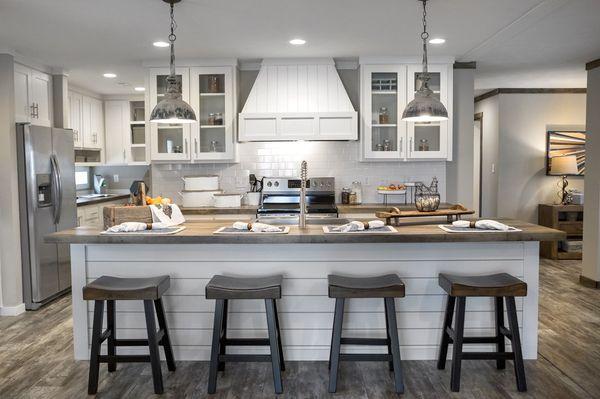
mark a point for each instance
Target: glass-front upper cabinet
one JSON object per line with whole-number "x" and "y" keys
{"x": 429, "y": 139}
{"x": 169, "y": 141}
{"x": 212, "y": 97}
{"x": 383, "y": 99}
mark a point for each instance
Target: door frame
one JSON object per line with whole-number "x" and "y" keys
{"x": 478, "y": 117}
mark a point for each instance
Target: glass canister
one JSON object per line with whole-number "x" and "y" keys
{"x": 384, "y": 116}
{"x": 387, "y": 145}
{"x": 346, "y": 195}
{"x": 357, "y": 189}
{"x": 218, "y": 118}
{"x": 213, "y": 145}
{"x": 213, "y": 84}
{"x": 211, "y": 119}
{"x": 379, "y": 147}
{"x": 423, "y": 145}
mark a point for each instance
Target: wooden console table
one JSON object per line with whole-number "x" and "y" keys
{"x": 568, "y": 218}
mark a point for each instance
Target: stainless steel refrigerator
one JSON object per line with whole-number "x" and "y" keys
{"x": 47, "y": 204}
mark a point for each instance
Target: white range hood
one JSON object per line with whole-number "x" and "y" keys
{"x": 298, "y": 99}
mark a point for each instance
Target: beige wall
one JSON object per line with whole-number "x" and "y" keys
{"x": 10, "y": 255}
{"x": 591, "y": 225}
{"x": 489, "y": 177}
{"x": 524, "y": 120}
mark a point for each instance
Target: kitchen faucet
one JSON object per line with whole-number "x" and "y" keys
{"x": 303, "y": 175}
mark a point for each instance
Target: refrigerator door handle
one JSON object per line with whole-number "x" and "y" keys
{"x": 57, "y": 192}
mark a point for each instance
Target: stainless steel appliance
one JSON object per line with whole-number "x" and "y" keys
{"x": 47, "y": 204}
{"x": 280, "y": 200}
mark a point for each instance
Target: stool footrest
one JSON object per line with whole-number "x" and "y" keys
{"x": 125, "y": 358}
{"x": 244, "y": 358}
{"x": 487, "y": 356}
{"x": 365, "y": 357}
{"x": 139, "y": 342}
{"x": 363, "y": 341}
{"x": 246, "y": 341}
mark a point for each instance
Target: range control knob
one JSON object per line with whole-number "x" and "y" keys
{"x": 269, "y": 184}
{"x": 276, "y": 184}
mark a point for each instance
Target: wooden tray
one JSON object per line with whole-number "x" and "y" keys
{"x": 454, "y": 212}
{"x": 113, "y": 215}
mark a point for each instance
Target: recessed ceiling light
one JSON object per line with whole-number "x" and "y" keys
{"x": 437, "y": 40}
{"x": 160, "y": 44}
{"x": 297, "y": 42}
{"x": 110, "y": 75}
{"x": 139, "y": 88}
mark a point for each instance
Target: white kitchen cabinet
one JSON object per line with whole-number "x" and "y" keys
{"x": 212, "y": 96}
{"x": 385, "y": 92}
{"x": 33, "y": 96}
{"x": 169, "y": 141}
{"x": 116, "y": 124}
{"x": 75, "y": 110}
{"x": 93, "y": 215}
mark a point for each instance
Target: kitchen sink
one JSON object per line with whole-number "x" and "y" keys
{"x": 89, "y": 196}
{"x": 291, "y": 221}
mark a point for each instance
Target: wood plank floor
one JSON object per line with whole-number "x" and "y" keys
{"x": 36, "y": 361}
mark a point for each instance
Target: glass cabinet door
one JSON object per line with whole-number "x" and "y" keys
{"x": 212, "y": 100}
{"x": 384, "y": 100}
{"x": 428, "y": 139}
{"x": 170, "y": 141}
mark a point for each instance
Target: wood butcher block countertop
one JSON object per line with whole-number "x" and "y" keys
{"x": 202, "y": 233}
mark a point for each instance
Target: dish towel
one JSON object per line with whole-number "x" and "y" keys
{"x": 129, "y": 227}
{"x": 158, "y": 215}
{"x": 359, "y": 226}
{"x": 482, "y": 224}
{"x": 256, "y": 227}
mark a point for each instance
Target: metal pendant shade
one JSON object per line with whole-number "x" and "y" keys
{"x": 425, "y": 107}
{"x": 172, "y": 108}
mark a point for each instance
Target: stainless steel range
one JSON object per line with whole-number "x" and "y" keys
{"x": 280, "y": 200}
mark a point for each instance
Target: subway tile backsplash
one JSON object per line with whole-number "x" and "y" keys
{"x": 337, "y": 159}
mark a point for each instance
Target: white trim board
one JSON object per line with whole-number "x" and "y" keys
{"x": 12, "y": 310}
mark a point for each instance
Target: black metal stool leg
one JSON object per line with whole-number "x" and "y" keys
{"x": 387, "y": 333}
{"x": 110, "y": 325}
{"x": 281, "y": 361}
{"x": 95, "y": 352}
{"x": 334, "y": 360}
{"x": 223, "y": 337}
{"x": 166, "y": 339}
{"x": 516, "y": 343}
{"x": 270, "y": 307}
{"x": 459, "y": 330}
{"x": 445, "y": 337}
{"x": 216, "y": 341}
{"x": 153, "y": 346}
{"x": 393, "y": 334}
{"x": 500, "y": 344}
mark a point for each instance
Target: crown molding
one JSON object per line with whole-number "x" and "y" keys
{"x": 492, "y": 93}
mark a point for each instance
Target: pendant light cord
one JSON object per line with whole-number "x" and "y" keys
{"x": 425, "y": 36}
{"x": 172, "y": 38}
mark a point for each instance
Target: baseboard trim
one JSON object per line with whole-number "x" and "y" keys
{"x": 588, "y": 282}
{"x": 12, "y": 310}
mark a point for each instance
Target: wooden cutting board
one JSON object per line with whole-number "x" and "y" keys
{"x": 452, "y": 213}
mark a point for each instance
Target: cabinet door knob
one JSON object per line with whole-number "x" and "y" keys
{"x": 186, "y": 146}
{"x": 196, "y": 146}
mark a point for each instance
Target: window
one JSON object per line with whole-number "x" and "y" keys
{"x": 82, "y": 179}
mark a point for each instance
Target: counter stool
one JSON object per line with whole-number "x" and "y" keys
{"x": 224, "y": 288}
{"x": 388, "y": 287}
{"x": 500, "y": 286}
{"x": 110, "y": 289}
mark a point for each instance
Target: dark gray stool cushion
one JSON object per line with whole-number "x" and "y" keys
{"x": 386, "y": 286}
{"x": 501, "y": 284}
{"x": 227, "y": 287}
{"x": 117, "y": 288}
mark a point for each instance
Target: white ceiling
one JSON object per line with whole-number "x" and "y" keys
{"x": 516, "y": 43}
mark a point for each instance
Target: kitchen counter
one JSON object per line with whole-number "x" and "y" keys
{"x": 93, "y": 201}
{"x": 417, "y": 253}
{"x": 342, "y": 209}
{"x": 202, "y": 233}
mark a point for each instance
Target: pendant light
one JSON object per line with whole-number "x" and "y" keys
{"x": 425, "y": 107}
{"x": 172, "y": 109}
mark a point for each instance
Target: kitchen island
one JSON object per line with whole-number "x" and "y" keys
{"x": 305, "y": 257}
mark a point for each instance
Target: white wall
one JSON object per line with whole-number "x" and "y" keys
{"x": 10, "y": 254}
{"x": 591, "y": 224}
{"x": 459, "y": 185}
{"x": 524, "y": 120}
{"x": 489, "y": 177}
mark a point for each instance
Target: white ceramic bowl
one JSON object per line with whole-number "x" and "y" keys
{"x": 228, "y": 200}
{"x": 198, "y": 198}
